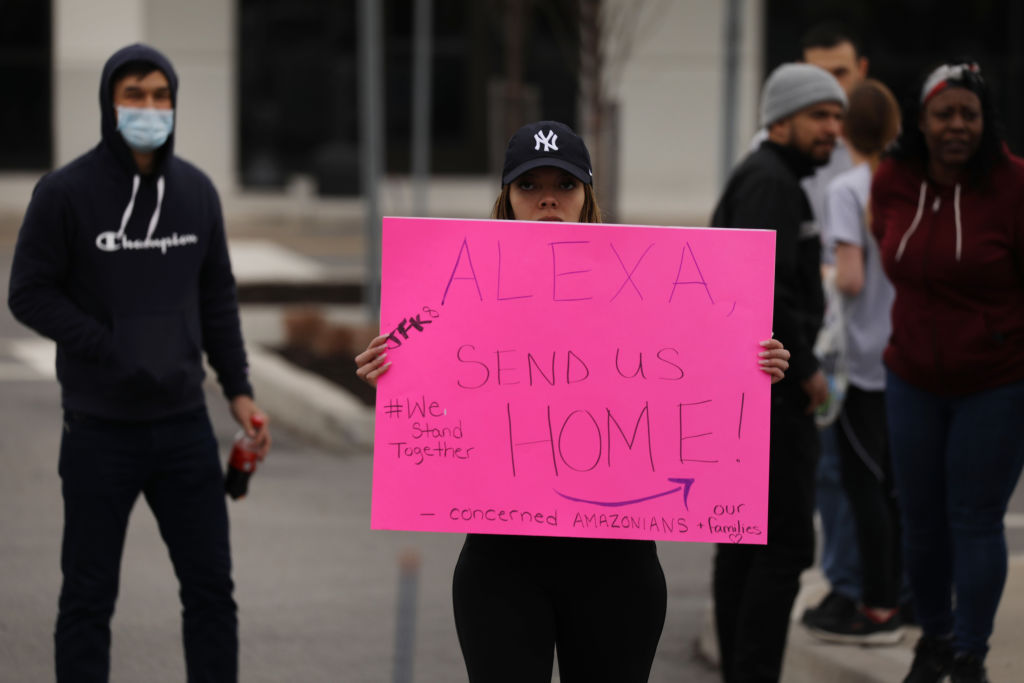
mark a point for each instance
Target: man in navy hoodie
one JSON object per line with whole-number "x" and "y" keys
{"x": 122, "y": 260}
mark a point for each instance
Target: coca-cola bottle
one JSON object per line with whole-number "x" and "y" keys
{"x": 243, "y": 461}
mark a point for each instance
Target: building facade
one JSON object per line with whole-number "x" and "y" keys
{"x": 268, "y": 100}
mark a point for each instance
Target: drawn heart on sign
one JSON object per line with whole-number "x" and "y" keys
{"x": 735, "y": 538}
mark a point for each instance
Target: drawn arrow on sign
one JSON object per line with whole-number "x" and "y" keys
{"x": 684, "y": 486}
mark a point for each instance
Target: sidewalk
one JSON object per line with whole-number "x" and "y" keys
{"x": 327, "y": 414}
{"x": 809, "y": 660}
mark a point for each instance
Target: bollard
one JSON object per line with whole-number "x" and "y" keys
{"x": 405, "y": 621}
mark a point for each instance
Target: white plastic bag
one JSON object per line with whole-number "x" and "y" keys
{"x": 830, "y": 348}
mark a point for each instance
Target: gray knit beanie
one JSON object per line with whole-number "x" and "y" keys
{"x": 793, "y": 86}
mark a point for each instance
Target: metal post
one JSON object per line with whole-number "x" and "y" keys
{"x": 730, "y": 88}
{"x": 371, "y": 147}
{"x": 590, "y": 90}
{"x": 405, "y": 619}
{"x": 514, "y": 32}
{"x": 422, "y": 57}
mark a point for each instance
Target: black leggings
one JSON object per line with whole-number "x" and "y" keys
{"x": 601, "y": 602}
{"x": 862, "y": 440}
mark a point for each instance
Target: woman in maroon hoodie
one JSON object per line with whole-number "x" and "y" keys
{"x": 948, "y": 211}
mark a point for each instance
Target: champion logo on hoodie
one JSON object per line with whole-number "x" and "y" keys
{"x": 111, "y": 241}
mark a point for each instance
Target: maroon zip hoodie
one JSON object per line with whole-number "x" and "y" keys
{"x": 955, "y": 255}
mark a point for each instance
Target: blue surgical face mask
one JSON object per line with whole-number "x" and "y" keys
{"x": 144, "y": 129}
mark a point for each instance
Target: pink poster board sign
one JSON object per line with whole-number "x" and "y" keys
{"x": 574, "y": 380}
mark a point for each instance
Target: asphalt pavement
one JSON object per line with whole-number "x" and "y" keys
{"x": 317, "y": 589}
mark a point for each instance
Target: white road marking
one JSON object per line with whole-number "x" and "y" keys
{"x": 266, "y": 261}
{"x": 15, "y": 371}
{"x": 1014, "y": 520}
{"x": 36, "y": 356}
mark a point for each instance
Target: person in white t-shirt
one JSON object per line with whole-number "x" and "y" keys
{"x": 834, "y": 48}
{"x": 872, "y": 122}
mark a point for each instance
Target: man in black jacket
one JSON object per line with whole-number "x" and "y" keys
{"x": 802, "y": 107}
{"x": 122, "y": 260}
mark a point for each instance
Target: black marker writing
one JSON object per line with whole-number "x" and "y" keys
{"x": 557, "y": 274}
{"x": 464, "y": 249}
{"x": 561, "y": 435}
{"x": 579, "y": 445}
{"x": 639, "y": 365}
{"x": 668, "y": 362}
{"x": 645, "y": 417}
{"x": 629, "y": 273}
{"x": 679, "y": 273}
{"x": 684, "y": 437}
{"x": 499, "y": 297}
{"x": 408, "y": 325}
{"x": 506, "y": 370}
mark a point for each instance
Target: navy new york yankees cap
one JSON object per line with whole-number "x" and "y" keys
{"x": 546, "y": 143}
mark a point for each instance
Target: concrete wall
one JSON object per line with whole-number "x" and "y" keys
{"x": 84, "y": 36}
{"x": 199, "y": 36}
{"x": 671, "y": 103}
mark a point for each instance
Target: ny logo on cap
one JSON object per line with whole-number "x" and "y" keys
{"x": 547, "y": 140}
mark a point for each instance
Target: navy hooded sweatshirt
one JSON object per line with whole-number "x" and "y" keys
{"x": 130, "y": 275}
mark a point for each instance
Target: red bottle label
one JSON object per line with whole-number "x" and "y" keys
{"x": 242, "y": 458}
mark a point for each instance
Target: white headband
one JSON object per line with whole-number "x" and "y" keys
{"x": 940, "y": 78}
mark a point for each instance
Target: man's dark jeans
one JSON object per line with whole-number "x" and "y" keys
{"x": 173, "y": 462}
{"x": 755, "y": 585}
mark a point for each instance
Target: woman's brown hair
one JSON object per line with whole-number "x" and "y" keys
{"x": 590, "y": 213}
{"x": 872, "y": 119}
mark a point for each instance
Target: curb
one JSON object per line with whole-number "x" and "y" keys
{"x": 310, "y": 405}
{"x": 809, "y": 660}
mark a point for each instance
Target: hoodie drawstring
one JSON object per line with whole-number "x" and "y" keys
{"x": 913, "y": 225}
{"x": 136, "y": 181}
{"x": 160, "y": 200}
{"x": 959, "y": 229}
{"x": 920, "y": 212}
{"x": 131, "y": 205}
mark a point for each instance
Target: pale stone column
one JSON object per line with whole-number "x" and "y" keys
{"x": 665, "y": 71}
{"x": 199, "y": 38}
{"x": 84, "y": 36}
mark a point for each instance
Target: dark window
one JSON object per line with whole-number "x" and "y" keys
{"x": 26, "y": 137}
{"x": 903, "y": 38}
{"x": 299, "y": 71}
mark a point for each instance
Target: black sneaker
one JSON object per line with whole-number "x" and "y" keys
{"x": 933, "y": 659}
{"x": 860, "y": 629}
{"x": 968, "y": 668}
{"x": 834, "y": 609}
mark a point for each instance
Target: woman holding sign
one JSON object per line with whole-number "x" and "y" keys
{"x": 600, "y": 602}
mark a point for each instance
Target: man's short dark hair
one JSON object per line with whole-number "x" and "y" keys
{"x": 137, "y": 68}
{"x": 829, "y": 34}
